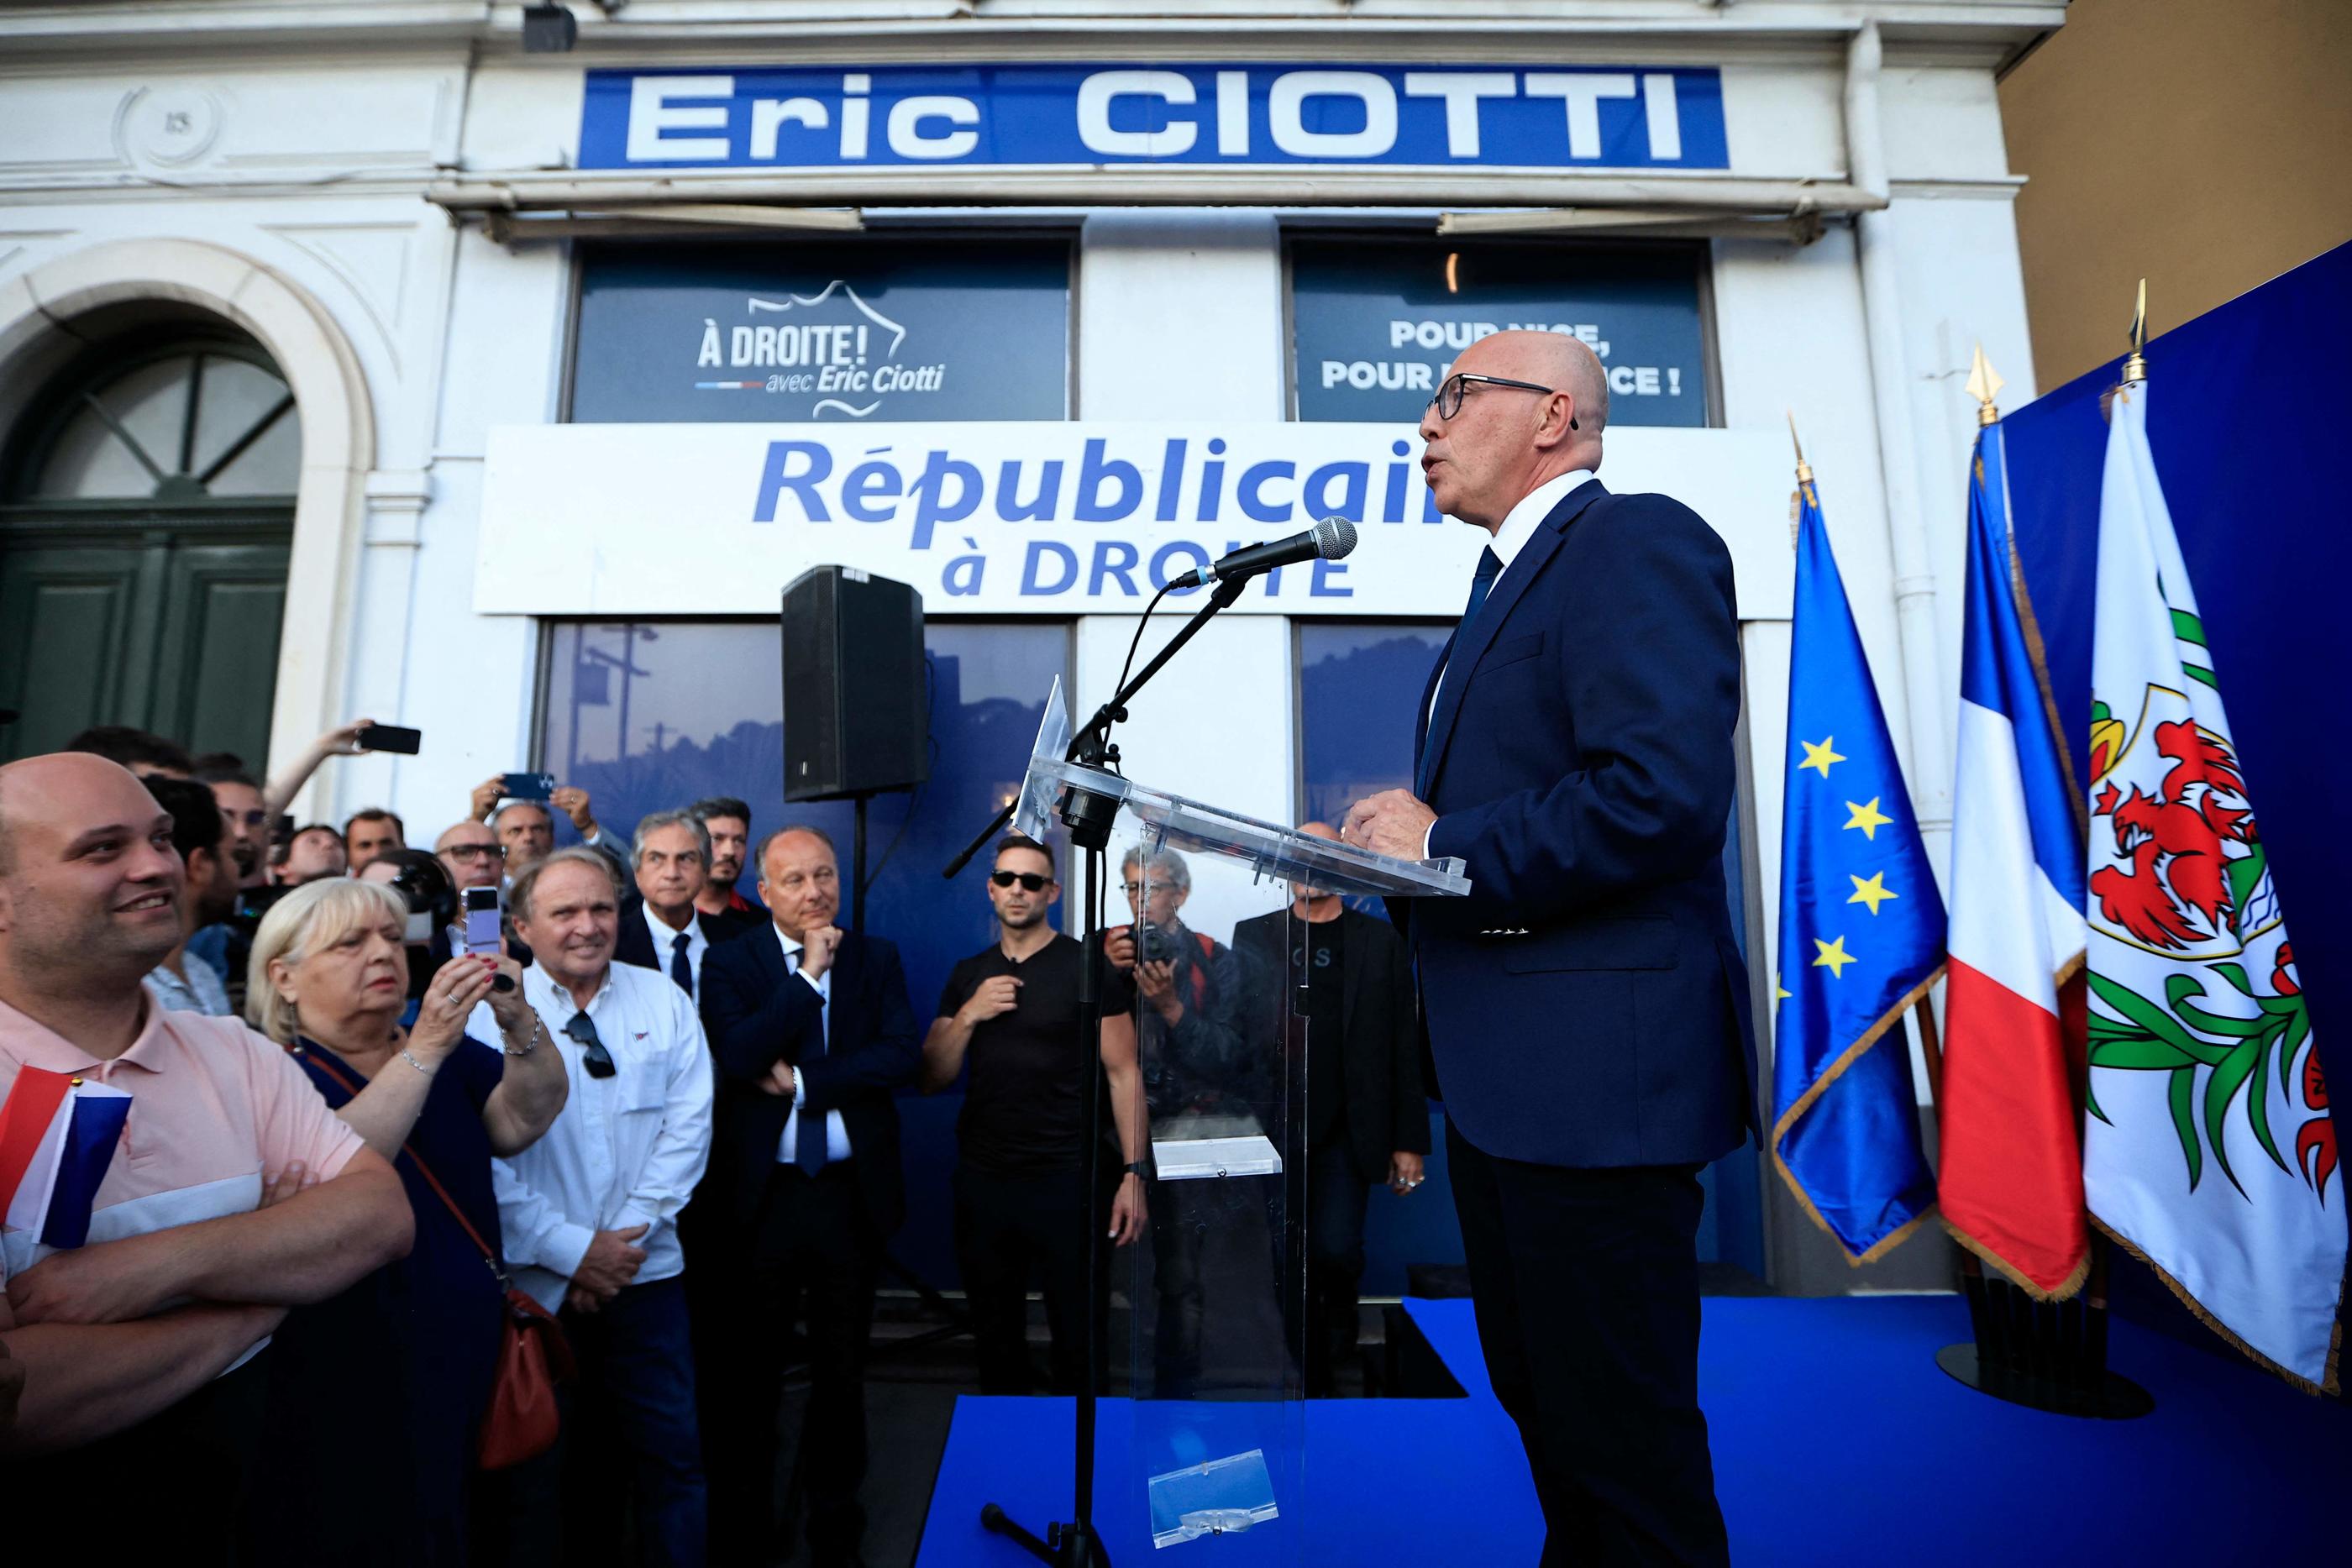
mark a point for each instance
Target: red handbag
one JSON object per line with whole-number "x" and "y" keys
{"x": 522, "y": 1420}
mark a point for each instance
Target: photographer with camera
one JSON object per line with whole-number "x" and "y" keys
{"x": 1184, "y": 991}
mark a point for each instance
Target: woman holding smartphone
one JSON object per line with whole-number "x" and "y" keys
{"x": 377, "y": 1394}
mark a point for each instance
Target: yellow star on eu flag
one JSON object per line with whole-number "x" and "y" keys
{"x": 1873, "y": 892}
{"x": 1833, "y": 957}
{"x": 1780, "y": 993}
{"x": 1867, "y": 816}
{"x": 1819, "y": 757}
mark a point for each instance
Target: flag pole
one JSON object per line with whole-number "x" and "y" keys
{"x": 2047, "y": 1355}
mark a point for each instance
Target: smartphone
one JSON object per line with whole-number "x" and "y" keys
{"x": 527, "y": 786}
{"x": 484, "y": 905}
{"x": 389, "y": 738}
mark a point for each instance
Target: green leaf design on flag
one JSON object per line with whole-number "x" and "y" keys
{"x": 2184, "y": 1122}
{"x": 2155, "y": 1020}
{"x": 2147, "y": 1038}
{"x": 2219, "y": 1090}
{"x": 2188, "y": 628}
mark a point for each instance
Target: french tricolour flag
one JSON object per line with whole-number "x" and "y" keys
{"x": 57, "y": 1135}
{"x": 2012, "y": 1161}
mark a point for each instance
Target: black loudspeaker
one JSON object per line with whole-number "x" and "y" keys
{"x": 854, "y": 704}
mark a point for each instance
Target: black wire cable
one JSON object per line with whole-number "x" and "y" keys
{"x": 1137, "y": 642}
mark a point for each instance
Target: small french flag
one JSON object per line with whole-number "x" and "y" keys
{"x": 57, "y": 1135}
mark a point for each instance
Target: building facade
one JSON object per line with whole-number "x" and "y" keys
{"x": 358, "y": 359}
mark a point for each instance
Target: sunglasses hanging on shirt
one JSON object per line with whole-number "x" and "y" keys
{"x": 598, "y": 1060}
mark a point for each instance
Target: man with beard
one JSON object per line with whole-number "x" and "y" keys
{"x": 1365, "y": 1119}
{"x": 1010, "y": 1012}
{"x": 813, "y": 1038}
{"x": 728, "y": 822}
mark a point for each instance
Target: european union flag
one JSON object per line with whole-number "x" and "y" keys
{"x": 1862, "y": 933}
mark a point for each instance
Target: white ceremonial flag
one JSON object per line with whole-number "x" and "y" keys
{"x": 2207, "y": 1149}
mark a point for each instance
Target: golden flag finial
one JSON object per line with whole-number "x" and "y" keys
{"x": 1805, "y": 469}
{"x": 2136, "y": 365}
{"x": 1984, "y": 385}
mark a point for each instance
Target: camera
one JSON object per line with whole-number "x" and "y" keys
{"x": 1155, "y": 946}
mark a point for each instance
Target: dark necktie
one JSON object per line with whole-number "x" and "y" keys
{"x": 680, "y": 970}
{"x": 1490, "y": 567}
{"x": 809, "y": 1153}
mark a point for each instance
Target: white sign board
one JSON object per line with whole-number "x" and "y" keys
{"x": 1034, "y": 517}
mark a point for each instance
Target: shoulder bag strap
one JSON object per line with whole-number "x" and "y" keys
{"x": 342, "y": 1081}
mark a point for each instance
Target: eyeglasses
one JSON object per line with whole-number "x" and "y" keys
{"x": 1029, "y": 880}
{"x": 582, "y": 1030}
{"x": 475, "y": 852}
{"x": 1447, "y": 399}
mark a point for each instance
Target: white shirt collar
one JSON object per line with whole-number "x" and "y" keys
{"x": 792, "y": 944}
{"x": 665, "y": 939}
{"x": 1520, "y": 526}
{"x": 541, "y": 990}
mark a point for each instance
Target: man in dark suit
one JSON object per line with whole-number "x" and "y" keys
{"x": 1587, "y": 1007}
{"x": 1366, "y": 1118}
{"x": 661, "y": 925}
{"x": 813, "y": 1035}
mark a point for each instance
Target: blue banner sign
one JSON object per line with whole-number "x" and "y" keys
{"x": 1376, "y": 325}
{"x": 769, "y": 334}
{"x": 1629, "y": 116}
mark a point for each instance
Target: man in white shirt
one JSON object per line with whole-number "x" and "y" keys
{"x": 813, "y": 1037}
{"x": 590, "y": 1212}
{"x": 660, "y": 926}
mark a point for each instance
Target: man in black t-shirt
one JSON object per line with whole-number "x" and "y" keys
{"x": 1010, "y": 1014}
{"x": 1365, "y": 1117}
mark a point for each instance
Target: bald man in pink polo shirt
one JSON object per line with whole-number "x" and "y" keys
{"x": 232, "y": 1194}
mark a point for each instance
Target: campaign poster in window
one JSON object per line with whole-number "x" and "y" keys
{"x": 1376, "y": 326}
{"x": 918, "y": 331}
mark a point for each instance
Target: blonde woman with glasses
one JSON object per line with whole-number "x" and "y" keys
{"x": 405, "y": 1356}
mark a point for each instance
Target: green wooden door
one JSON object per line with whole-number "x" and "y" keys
{"x": 144, "y": 533}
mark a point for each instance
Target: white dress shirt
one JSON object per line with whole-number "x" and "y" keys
{"x": 836, "y": 1131}
{"x": 666, "y": 943}
{"x": 626, "y": 1150}
{"x": 1518, "y": 527}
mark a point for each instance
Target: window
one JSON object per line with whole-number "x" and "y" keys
{"x": 1376, "y": 323}
{"x": 645, "y": 716}
{"x": 972, "y": 330}
{"x": 1358, "y": 683}
{"x": 173, "y": 421}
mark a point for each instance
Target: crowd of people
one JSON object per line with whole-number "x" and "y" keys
{"x": 662, "y": 1111}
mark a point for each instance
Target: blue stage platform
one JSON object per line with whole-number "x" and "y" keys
{"x": 1836, "y": 1441}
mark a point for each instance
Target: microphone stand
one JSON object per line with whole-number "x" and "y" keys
{"x": 1089, "y": 816}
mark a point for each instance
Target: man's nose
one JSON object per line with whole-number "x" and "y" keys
{"x": 1431, "y": 428}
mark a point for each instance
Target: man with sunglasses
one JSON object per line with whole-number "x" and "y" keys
{"x": 590, "y": 1219}
{"x": 1010, "y": 1013}
{"x": 1586, "y": 1003}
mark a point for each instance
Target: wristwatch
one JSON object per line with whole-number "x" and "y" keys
{"x": 1135, "y": 1167}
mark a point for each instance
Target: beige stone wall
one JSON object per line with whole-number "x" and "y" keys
{"x": 2203, "y": 144}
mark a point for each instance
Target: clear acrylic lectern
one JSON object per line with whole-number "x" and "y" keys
{"x": 1222, "y": 998}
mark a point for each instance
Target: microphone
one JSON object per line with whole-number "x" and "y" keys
{"x": 1326, "y": 540}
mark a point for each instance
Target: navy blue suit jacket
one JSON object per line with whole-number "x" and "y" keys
{"x": 1586, "y": 1003}
{"x": 756, "y": 1013}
